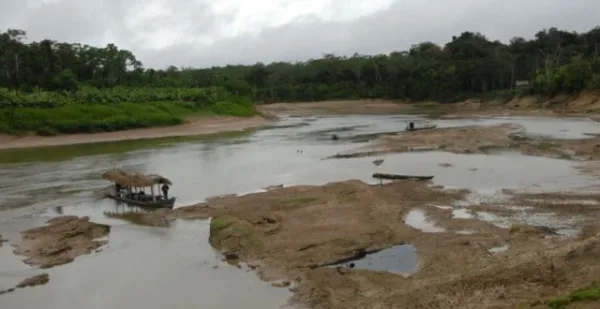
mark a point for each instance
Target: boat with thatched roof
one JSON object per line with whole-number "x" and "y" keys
{"x": 130, "y": 188}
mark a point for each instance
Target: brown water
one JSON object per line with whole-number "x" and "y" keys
{"x": 144, "y": 267}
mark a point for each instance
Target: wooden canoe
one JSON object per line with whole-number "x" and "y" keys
{"x": 421, "y": 128}
{"x": 401, "y": 177}
{"x": 159, "y": 203}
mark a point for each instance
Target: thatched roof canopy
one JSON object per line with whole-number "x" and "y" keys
{"x": 134, "y": 179}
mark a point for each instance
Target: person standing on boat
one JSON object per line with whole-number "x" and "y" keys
{"x": 165, "y": 190}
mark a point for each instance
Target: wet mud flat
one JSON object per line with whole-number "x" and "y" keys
{"x": 61, "y": 241}
{"x": 310, "y": 236}
{"x": 478, "y": 139}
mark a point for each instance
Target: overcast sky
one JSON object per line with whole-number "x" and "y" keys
{"x": 204, "y": 33}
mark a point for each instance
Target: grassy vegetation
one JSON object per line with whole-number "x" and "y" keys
{"x": 218, "y": 224}
{"x": 297, "y": 200}
{"x": 92, "y": 110}
{"x": 586, "y": 294}
{"x": 236, "y": 229}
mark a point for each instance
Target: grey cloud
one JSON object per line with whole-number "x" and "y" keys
{"x": 404, "y": 23}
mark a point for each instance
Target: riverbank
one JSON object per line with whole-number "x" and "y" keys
{"x": 586, "y": 104}
{"x": 194, "y": 126}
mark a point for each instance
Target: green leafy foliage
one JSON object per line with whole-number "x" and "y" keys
{"x": 91, "y": 110}
{"x": 591, "y": 293}
{"x": 53, "y": 87}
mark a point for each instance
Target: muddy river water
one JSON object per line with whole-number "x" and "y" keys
{"x": 175, "y": 267}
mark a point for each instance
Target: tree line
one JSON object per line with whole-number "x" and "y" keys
{"x": 554, "y": 61}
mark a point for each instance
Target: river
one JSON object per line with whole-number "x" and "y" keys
{"x": 175, "y": 267}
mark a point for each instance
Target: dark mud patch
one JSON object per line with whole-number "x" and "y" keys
{"x": 29, "y": 282}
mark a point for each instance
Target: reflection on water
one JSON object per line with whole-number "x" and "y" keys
{"x": 417, "y": 219}
{"x": 400, "y": 259}
{"x": 148, "y": 268}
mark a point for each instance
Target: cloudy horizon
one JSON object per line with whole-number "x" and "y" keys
{"x": 202, "y": 33}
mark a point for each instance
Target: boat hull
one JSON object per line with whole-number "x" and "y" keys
{"x": 168, "y": 203}
{"x": 401, "y": 177}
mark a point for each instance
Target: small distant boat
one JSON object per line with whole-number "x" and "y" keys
{"x": 411, "y": 127}
{"x": 378, "y": 162}
{"x": 401, "y": 177}
{"x": 129, "y": 188}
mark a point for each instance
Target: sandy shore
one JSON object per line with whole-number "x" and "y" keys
{"x": 199, "y": 126}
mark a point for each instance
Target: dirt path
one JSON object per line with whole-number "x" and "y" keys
{"x": 199, "y": 126}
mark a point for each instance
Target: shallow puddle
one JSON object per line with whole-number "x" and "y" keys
{"x": 499, "y": 249}
{"x": 417, "y": 219}
{"x": 462, "y": 213}
{"x": 400, "y": 259}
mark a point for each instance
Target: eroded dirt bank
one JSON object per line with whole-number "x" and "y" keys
{"x": 288, "y": 233}
{"x": 199, "y": 126}
{"x": 61, "y": 241}
{"x": 584, "y": 104}
{"x": 347, "y": 107}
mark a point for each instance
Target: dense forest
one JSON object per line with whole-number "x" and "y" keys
{"x": 107, "y": 88}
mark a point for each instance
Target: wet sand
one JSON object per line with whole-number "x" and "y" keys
{"x": 198, "y": 126}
